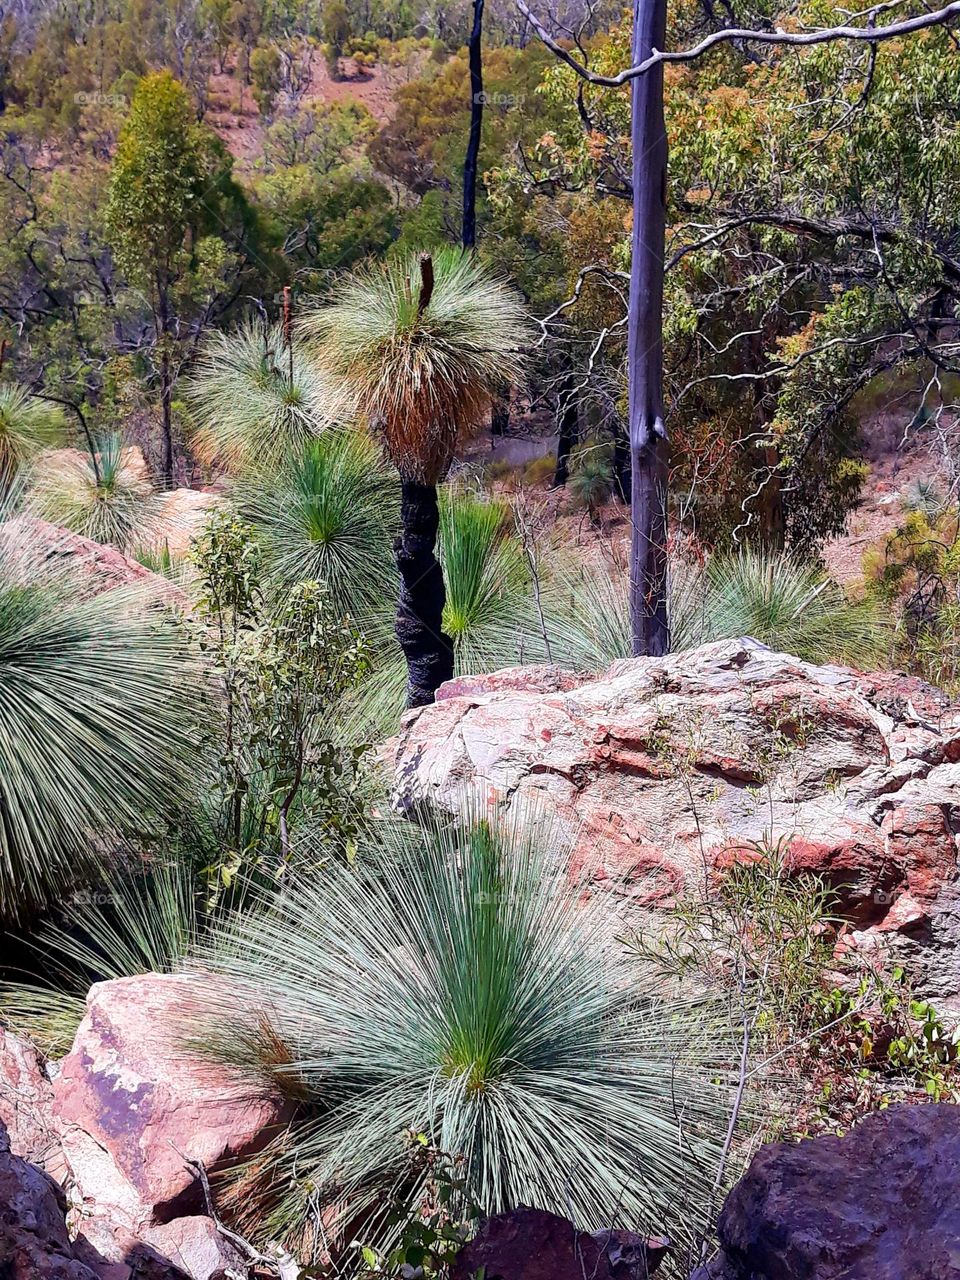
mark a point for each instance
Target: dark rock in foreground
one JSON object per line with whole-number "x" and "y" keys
{"x": 529, "y": 1244}
{"x": 34, "y": 1244}
{"x": 880, "y": 1203}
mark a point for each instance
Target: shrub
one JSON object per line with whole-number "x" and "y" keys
{"x": 106, "y": 496}
{"x": 452, "y": 984}
{"x": 97, "y": 725}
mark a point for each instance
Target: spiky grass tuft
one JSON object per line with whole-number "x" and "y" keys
{"x": 97, "y": 724}
{"x": 422, "y": 344}
{"x": 133, "y": 921}
{"x": 455, "y": 983}
{"x": 119, "y": 508}
{"x": 247, "y": 409}
{"x": 783, "y": 603}
{"x": 27, "y": 426}
{"x": 329, "y": 514}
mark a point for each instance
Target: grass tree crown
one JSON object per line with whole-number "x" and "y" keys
{"x": 422, "y": 344}
{"x": 254, "y": 399}
{"x": 27, "y": 425}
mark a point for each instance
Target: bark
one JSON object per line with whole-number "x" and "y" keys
{"x": 648, "y": 555}
{"x": 500, "y": 414}
{"x": 771, "y": 515}
{"x": 166, "y": 382}
{"x": 623, "y": 480}
{"x": 476, "y": 126}
{"x": 419, "y": 623}
{"x": 568, "y": 429}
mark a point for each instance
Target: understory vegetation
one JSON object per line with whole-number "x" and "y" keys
{"x": 297, "y": 426}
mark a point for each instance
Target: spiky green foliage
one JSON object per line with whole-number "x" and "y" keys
{"x": 27, "y": 425}
{"x": 453, "y": 983}
{"x": 251, "y": 405}
{"x": 771, "y": 596}
{"x": 788, "y": 605}
{"x": 97, "y": 702}
{"x": 421, "y": 350}
{"x": 130, "y": 923}
{"x": 591, "y": 482}
{"x": 119, "y": 508}
{"x": 490, "y": 613}
{"x": 329, "y": 515}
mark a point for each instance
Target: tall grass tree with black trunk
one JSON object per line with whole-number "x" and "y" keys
{"x": 423, "y": 346}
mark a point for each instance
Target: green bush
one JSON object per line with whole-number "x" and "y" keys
{"x": 452, "y": 984}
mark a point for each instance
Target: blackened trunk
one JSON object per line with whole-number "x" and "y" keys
{"x": 568, "y": 428}
{"x": 500, "y": 414}
{"x": 476, "y": 126}
{"x": 419, "y": 625}
{"x": 648, "y": 556}
{"x": 166, "y": 404}
{"x": 166, "y": 379}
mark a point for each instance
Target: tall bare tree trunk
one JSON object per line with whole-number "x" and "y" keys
{"x": 648, "y": 447}
{"x": 166, "y": 380}
{"x": 419, "y": 623}
{"x": 568, "y": 427}
{"x": 476, "y": 126}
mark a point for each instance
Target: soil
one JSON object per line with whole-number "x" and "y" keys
{"x": 233, "y": 114}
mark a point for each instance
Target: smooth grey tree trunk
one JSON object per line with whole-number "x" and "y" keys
{"x": 648, "y": 446}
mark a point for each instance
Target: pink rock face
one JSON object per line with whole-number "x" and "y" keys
{"x": 25, "y": 1098}
{"x": 134, "y": 1106}
{"x": 100, "y": 568}
{"x": 664, "y": 771}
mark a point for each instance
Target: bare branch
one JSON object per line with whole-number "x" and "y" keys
{"x": 870, "y": 34}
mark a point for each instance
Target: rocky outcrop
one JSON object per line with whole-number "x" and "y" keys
{"x": 529, "y": 1244}
{"x": 125, "y": 1127}
{"x": 880, "y": 1203}
{"x": 139, "y": 1114}
{"x": 34, "y": 1244}
{"x": 182, "y": 516}
{"x": 95, "y": 567}
{"x": 665, "y": 771}
{"x": 25, "y": 1099}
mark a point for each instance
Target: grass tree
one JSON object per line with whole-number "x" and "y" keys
{"x": 422, "y": 345}
{"x": 96, "y": 724}
{"x": 328, "y": 513}
{"x": 451, "y": 983}
{"x": 105, "y": 496}
{"x": 255, "y": 400}
{"x": 769, "y": 595}
{"x": 27, "y": 425}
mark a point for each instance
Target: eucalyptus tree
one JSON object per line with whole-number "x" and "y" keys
{"x": 422, "y": 346}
